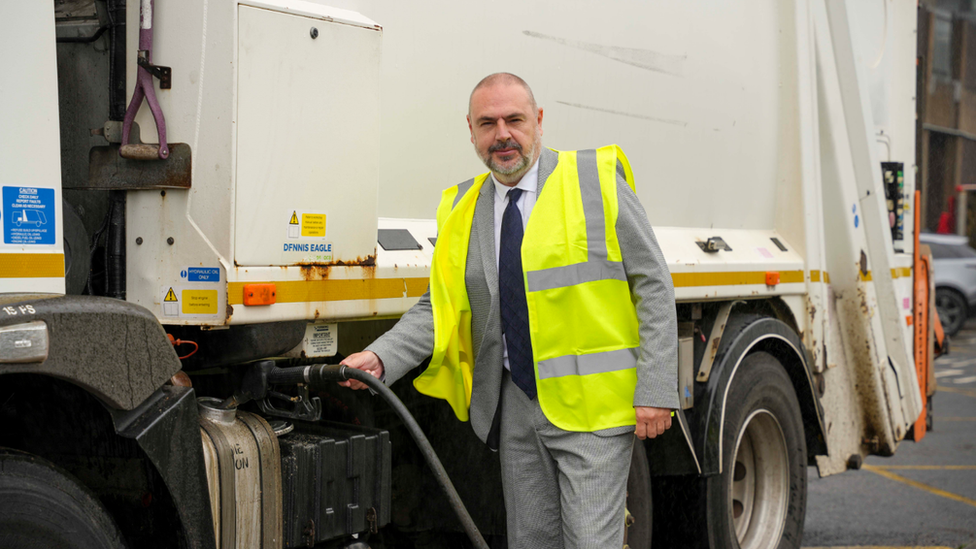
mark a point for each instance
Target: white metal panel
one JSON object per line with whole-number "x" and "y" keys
{"x": 694, "y": 92}
{"x": 903, "y": 396}
{"x": 812, "y": 316}
{"x": 30, "y": 148}
{"x": 196, "y": 39}
{"x": 739, "y": 273}
{"x": 308, "y": 138}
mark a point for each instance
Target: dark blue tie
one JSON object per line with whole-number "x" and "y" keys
{"x": 511, "y": 296}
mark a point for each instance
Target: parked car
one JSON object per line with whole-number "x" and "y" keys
{"x": 955, "y": 278}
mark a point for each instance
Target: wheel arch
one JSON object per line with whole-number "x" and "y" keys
{"x": 134, "y": 461}
{"x": 746, "y": 334}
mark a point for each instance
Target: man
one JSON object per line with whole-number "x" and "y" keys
{"x": 550, "y": 323}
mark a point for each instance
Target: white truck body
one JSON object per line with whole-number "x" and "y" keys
{"x": 752, "y": 121}
{"x": 314, "y": 124}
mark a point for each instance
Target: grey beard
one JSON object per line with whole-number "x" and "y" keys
{"x": 521, "y": 166}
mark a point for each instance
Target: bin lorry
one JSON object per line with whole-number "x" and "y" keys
{"x": 238, "y": 193}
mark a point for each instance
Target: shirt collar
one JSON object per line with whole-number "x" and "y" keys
{"x": 529, "y": 182}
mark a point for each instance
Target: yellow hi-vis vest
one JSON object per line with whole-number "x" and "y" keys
{"x": 582, "y": 322}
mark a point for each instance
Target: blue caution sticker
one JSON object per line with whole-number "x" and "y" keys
{"x": 28, "y": 216}
{"x": 201, "y": 274}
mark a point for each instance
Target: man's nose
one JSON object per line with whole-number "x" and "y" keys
{"x": 502, "y": 132}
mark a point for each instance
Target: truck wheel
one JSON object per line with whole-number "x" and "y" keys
{"x": 951, "y": 307}
{"x": 43, "y": 506}
{"x": 639, "y": 504}
{"x": 759, "y": 500}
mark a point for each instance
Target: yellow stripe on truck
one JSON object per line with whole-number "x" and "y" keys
{"x": 687, "y": 280}
{"x": 31, "y": 265}
{"x": 309, "y": 291}
{"x": 901, "y": 272}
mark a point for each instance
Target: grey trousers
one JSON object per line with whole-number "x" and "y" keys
{"x": 563, "y": 490}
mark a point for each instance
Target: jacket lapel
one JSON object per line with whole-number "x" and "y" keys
{"x": 547, "y": 164}
{"x": 484, "y": 221}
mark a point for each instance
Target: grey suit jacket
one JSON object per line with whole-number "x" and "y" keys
{"x": 411, "y": 340}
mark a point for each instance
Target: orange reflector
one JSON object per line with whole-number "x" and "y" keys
{"x": 772, "y": 278}
{"x": 259, "y": 294}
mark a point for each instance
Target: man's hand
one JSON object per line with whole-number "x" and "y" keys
{"x": 651, "y": 421}
{"x": 366, "y": 361}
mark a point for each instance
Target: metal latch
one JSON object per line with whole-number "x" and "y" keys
{"x": 713, "y": 244}
{"x": 371, "y": 519}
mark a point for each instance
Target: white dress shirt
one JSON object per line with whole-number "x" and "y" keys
{"x": 530, "y": 187}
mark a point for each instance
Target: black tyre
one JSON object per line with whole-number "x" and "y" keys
{"x": 759, "y": 500}
{"x": 640, "y": 511}
{"x": 952, "y": 310}
{"x": 43, "y": 506}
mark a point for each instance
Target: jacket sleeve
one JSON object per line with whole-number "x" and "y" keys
{"x": 652, "y": 292}
{"x": 408, "y": 343}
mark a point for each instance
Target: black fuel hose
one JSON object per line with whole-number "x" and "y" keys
{"x": 321, "y": 374}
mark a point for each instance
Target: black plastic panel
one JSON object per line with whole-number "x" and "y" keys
{"x": 397, "y": 239}
{"x": 333, "y": 475}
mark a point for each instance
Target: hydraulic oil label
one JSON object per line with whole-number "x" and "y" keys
{"x": 200, "y": 274}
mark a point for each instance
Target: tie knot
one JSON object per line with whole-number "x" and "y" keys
{"x": 514, "y": 194}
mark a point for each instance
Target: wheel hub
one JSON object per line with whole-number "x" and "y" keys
{"x": 760, "y": 482}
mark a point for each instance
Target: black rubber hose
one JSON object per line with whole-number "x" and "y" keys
{"x": 115, "y": 247}
{"x": 320, "y": 374}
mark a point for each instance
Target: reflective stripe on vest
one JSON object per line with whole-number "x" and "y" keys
{"x": 583, "y": 322}
{"x": 581, "y": 318}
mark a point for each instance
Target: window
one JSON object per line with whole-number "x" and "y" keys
{"x": 950, "y": 251}
{"x": 942, "y": 47}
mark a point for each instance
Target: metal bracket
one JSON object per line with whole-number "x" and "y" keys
{"x": 714, "y": 340}
{"x": 713, "y": 244}
{"x": 164, "y": 74}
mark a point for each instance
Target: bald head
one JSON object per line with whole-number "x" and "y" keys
{"x": 503, "y": 78}
{"x": 505, "y": 125}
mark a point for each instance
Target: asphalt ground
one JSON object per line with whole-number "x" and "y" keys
{"x": 922, "y": 497}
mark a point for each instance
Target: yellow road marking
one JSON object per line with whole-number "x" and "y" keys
{"x": 928, "y": 467}
{"x": 955, "y": 390}
{"x": 919, "y": 485}
{"x": 882, "y": 547}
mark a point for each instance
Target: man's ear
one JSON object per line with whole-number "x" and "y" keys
{"x": 470, "y": 129}
{"x": 540, "y": 121}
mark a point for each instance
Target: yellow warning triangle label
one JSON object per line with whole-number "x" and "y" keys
{"x": 294, "y": 219}
{"x": 170, "y": 295}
